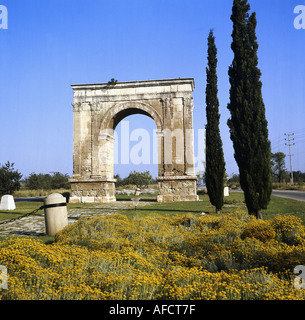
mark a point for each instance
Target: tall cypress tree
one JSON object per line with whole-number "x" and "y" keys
{"x": 248, "y": 124}
{"x": 215, "y": 164}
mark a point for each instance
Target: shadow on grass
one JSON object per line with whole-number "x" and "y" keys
{"x": 142, "y": 199}
{"x": 28, "y": 233}
{"x": 136, "y": 209}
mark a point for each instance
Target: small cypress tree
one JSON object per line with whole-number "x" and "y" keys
{"x": 215, "y": 164}
{"x": 248, "y": 124}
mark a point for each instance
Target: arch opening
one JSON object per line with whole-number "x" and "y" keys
{"x": 127, "y": 113}
{"x": 122, "y": 110}
{"x": 135, "y": 149}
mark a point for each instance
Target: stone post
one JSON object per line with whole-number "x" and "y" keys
{"x": 7, "y": 203}
{"x": 56, "y": 217}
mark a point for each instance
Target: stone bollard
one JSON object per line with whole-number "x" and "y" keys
{"x": 7, "y": 203}
{"x": 226, "y": 192}
{"x": 55, "y": 212}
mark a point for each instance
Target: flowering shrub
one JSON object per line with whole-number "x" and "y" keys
{"x": 228, "y": 256}
{"x": 259, "y": 229}
{"x": 289, "y": 229}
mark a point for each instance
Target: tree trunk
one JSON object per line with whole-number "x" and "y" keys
{"x": 259, "y": 214}
{"x": 137, "y": 192}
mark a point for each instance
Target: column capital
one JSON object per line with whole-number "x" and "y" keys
{"x": 95, "y": 106}
{"x": 189, "y": 103}
{"x": 77, "y": 106}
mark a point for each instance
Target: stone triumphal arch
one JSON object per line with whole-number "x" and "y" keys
{"x": 98, "y": 108}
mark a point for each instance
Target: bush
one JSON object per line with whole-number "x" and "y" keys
{"x": 259, "y": 229}
{"x": 9, "y": 179}
{"x": 226, "y": 256}
{"x": 140, "y": 179}
{"x": 47, "y": 182}
{"x": 289, "y": 229}
{"x": 202, "y": 192}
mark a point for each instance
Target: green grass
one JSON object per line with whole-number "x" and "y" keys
{"x": 277, "y": 206}
{"x": 22, "y": 208}
{"x": 234, "y": 202}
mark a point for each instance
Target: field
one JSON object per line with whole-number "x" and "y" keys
{"x": 163, "y": 251}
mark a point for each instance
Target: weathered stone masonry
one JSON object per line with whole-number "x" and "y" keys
{"x": 98, "y": 108}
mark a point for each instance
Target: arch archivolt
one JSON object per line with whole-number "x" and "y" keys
{"x": 112, "y": 116}
{"x": 98, "y": 108}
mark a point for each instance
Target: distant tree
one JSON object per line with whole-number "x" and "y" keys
{"x": 47, "y": 182}
{"x": 119, "y": 181}
{"x": 9, "y": 179}
{"x": 278, "y": 165}
{"x": 248, "y": 124}
{"x": 200, "y": 179}
{"x": 60, "y": 181}
{"x": 234, "y": 178}
{"x": 38, "y": 181}
{"x": 140, "y": 179}
{"x": 153, "y": 181}
{"x": 215, "y": 164}
{"x": 299, "y": 176}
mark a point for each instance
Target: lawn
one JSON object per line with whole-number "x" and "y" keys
{"x": 22, "y": 208}
{"x": 234, "y": 202}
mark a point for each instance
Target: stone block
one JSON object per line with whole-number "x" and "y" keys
{"x": 87, "y": 199}
{"x": 75, "y": 199}
{"x": 167, "y": 198}
{"x": 93, "y": 191}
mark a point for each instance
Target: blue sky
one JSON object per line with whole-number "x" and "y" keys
{"x": 50, "y": 45}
